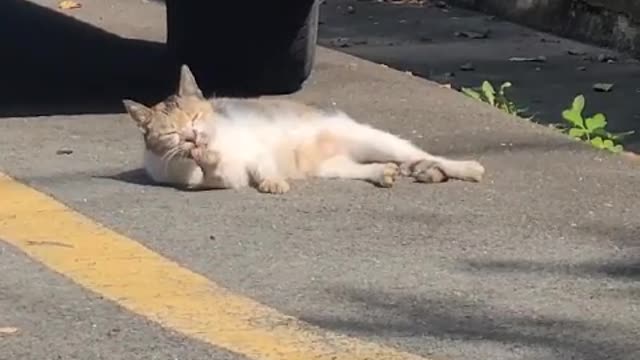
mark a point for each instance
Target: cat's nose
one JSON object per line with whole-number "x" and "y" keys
{"x": 190, "y": 136}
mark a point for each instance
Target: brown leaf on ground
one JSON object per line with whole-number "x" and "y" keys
{"x": 603, "y": 87}
{"x": 405, "y": 2}
{"x": 69, "y": 4}
{"x": 8, "y": 330}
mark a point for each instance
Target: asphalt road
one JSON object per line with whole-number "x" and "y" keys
{"x": 426, "y": 40}
{"x": 539, "y": 261}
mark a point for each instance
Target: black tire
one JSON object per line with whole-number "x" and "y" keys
{"x": 244, "y": 48}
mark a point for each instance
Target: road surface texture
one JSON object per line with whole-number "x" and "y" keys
{"x": 430, "y": 41}
{"x": 539, "y": 261}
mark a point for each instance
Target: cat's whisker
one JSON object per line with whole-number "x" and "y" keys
{"x": 168, "y": 156}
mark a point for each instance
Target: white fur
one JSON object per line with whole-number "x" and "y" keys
{"x": 178, "y": 171}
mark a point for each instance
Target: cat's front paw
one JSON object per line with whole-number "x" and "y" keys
{"x": 204, "y": 158}
{"x": 389, "y": 173}
{"x": 274, "y": 186}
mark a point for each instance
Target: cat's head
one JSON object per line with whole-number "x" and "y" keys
{"x": 170, "y": 125}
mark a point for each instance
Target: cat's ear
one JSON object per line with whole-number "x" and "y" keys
{"x": 139, "y": 113}
{"x": 188, "y": 85}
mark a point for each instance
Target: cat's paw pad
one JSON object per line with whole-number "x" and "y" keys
{"x": 274, "y": 186}
{"x": 428, "y": 172}
{"x": 389, "y": 173}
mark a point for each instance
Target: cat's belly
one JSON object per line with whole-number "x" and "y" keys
{"x": 177, "y": 171}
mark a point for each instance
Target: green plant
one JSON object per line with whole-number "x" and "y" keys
{"x": 487, "y": 94}
{"x": 591, "y": 129}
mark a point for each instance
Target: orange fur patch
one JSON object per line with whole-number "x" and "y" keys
{"x": 309, "y": 156}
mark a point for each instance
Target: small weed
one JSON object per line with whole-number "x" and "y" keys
{"x": 487, "y": 94}
{"x": 591, "y": 129}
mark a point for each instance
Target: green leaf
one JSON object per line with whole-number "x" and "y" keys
{"x": 597, "y": 121}
{"x": 578, "y": 104}
{"x": 472, "y": 93}
{"x": 489, "y": 92}
{"x": 576, "y": 133}
{"x": 597, "y": 142}
{"x": 573, "y": 118}
{"x": 602, "y": 133}
{"x": 608, "y": 144}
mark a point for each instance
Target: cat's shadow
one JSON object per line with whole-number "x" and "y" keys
{"x": 139, "y": 177}
{"x": 134, "y": 176}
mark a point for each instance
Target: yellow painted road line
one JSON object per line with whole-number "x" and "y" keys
{"x": 148, "y": 284}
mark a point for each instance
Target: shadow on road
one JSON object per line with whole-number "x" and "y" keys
{"x": 54, "y": 64}
{"x": 620, "y": 269}
{"x": 625, "y": 268}
{"x": 456, "y": 319}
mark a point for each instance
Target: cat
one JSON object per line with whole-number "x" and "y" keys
{"x": 227, "y": 143}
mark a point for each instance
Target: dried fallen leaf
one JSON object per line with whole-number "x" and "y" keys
{"x": 69, "y": 4}
{"x": 541, "y": 58}
{"x": 64, "y": 151}
{"x": 467, "y": 67}
{"x": 603, "y": 87}
{"x": 473, "y": 34}
{"x": 608, "y": 58}
{"x": 576, "y": 52}
{"x": 8, "y": 330}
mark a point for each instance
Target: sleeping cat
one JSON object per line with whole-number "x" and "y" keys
{"x": 226, "y": 143}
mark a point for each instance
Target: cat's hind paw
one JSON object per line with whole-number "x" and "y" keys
{"x": 428, "y": 172}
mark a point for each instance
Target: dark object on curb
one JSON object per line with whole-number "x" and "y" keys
{"x": 64, "y": 152}
{"x": 608, "y": 58}
{"x": 473, "y": 34}
{"x": 244, "y": 47}
{"x": 547, "y": 40}
{"x": 575, "y": 52}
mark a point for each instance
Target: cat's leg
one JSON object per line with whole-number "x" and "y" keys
{"x": 343, "y": 167}
{"x": 208, "y": 162}
{"x": 367, "y": 144}
{"x": 266, "y": 177}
